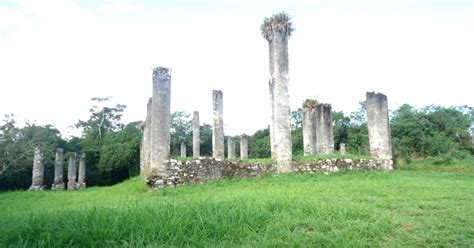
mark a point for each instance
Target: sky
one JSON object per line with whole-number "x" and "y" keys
{"x": 55, "y": 55}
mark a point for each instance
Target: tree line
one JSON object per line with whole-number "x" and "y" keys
{"x": 112, "y": 149}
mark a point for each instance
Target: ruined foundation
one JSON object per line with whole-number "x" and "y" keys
{"x": 379, "y": 128}
{"x": 324, "y": 133}
{"x": 38, "y": 171}
{"x": 207, "y": 169}
{"x": 218, "y": 125}
{"x": 196, "y": 135}
{"x": 58, "y": 171}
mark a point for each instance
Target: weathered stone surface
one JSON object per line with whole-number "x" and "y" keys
{"x": 205, "y": 169}
{"x": 309, "y": 130}
{"x": 183, "y": 149}
{"x": 378, "y": 127}
{"x": 271, "y": 89}
{"x": 218, "y": 125}
{"x": 38, "y": 171}
{"x": 81, "y": 182}
{"x": 281, "y": 101}
{"x": 72, "y": 172}
{"x": 324, "y": 133}
{"x": 244, "y": 146}
{"x": 230, "y": 147}
{"x": 146, "y": 142}
{"x": 196, "y": 135}
{"x": 160, "y": 124}
{"x": 342, "y": 148}
{"x": 58, "y": 170}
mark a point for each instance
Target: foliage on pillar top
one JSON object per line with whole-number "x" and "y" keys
{"x": 280, "y": 22}
{"x": 310, "y": 103}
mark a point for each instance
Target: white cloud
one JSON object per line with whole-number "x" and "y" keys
{"x": 56, "y": 55}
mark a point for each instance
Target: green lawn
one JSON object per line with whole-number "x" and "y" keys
{"x": 402, "y": 208}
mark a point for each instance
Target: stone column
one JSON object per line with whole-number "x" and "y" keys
{"x": 244, "y": 146}
{"x": 342, "y": 148}
{"x": 183, "y": 149}
{"x": 324, "y": 134}
{"x": 309, "y": 127}
{"x": 276, "y": 31}
{"x": 218, "y": 125}
{"x": 379, "y": 128}
{"x": 160, "y": 126}
{"x": 72, "y": 172}
{"x": 38, "y": 171}
{"x": 58, "y": 170}
{"x": 81, "y": 184}
{"x": 271, "y": 87}
{"x": 146, "y": 142}
{"x": 230, "y": 147}
{"x": 196, "y": 135}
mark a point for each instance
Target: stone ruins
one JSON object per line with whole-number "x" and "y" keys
{"x": 230, "y": 148}
{"x": 342, "y": 148}
{"x": 244, "y": 146}
{"x": 58, "y": 171}
{"x": 38, "y": 171}
{"x": 159, "y": 170}
{"x": 379, "y": 128}
{"x": 324, "y": 133}
{"x": 72, "y": 172}
{"x": 218, "y": 125}
{"x": 309, "y": 127}
{"x": 277, "y": 30}
{"x": 183, "y": 149}
{"x": 81, "y": 182}
{"x": 196, "y": 135}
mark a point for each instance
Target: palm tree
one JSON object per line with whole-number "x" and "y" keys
{"x": 276, "y": 30}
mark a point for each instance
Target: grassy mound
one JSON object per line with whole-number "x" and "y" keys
{"x": 403, "y": 208}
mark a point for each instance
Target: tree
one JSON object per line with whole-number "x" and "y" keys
{"x": 119, "y": 155}
{"x": 259, "y": 144}
{"x": 357, "y": 133}
{"x": 431, "y": 131}
{"x": 341, "y": 126}
{"x": 102, "y": 121}
{"x": 206, "y": 139}
{"x": 17, "y": 147}
{"x": 181, "y": 131}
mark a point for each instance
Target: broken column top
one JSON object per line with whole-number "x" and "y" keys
{"x": 162, "y": 72}
{"x": 217, "y": 93}
{"x": 59, "y": 150}
{"x": 376, "y": 95}
{"x": 310, "y": 103}
{"x": 325, "y": 105}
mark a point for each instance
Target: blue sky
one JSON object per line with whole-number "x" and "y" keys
{"x": 57, "y": 54}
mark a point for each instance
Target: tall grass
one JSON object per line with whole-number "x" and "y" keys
{"x": 402, "y": 208}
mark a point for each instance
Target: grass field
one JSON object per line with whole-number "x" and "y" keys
{"x": 402, "y": 208}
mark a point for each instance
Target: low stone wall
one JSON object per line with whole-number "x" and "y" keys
{"x": 205, "y": 169}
